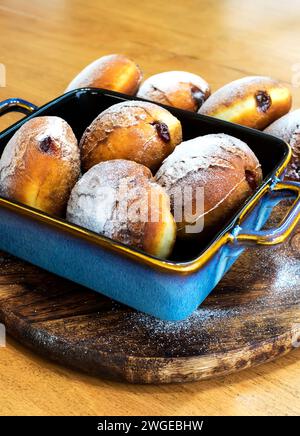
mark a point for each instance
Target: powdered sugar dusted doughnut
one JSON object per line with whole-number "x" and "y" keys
{"x": 287, "y": 128}
{"x": 120, "y": 200}
{"x": 115, "y": 72}
{"x": 226, "y": 169}
{"x": 40, "y": 164}
{"x": 176, "y": 88}
{"x": 253, "y": 101}
{"x": 133, "y": 130}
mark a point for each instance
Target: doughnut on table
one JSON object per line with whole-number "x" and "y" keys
{"x": 221, "y": 41}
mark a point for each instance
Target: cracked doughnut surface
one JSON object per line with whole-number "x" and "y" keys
{"x": 176, "y": 88}
{"x": 134, "y": 130}
{"x": 119, "y": 199}
{"x": 226, "y": 169}
{"x": 40, "y": 164}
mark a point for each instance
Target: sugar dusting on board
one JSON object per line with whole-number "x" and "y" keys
{"x": 280, "y": 284}
{"x": 196, "y": 319}
{"x": 288, "y": 275}
{"x": 192, "y": 336}
{"x": 285, "y": 284}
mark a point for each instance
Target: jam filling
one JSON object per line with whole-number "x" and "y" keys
{"x": 47, "y": 144}
{"x": 162, "y": 131}
{"x": 197, "y": 96}
{"x": 263, "y": 101}
{"x": 251, "y": 179}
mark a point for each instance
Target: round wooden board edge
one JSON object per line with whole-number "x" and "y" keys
{"x": 145, "y": 370}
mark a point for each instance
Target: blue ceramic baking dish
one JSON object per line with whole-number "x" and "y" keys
{"x": 168, "y": 289}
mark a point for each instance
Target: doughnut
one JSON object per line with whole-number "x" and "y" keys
{"x": 253, "y": 101}
{"x": 120, "y": 200}
{"x": 133, "y": 130}
{"x": 226, "y": 169}
{"x": 115, "y": 72}
{"x": 40, "y": 165}
{"x": 176, "y": 88}
{"x": 287, "y": 128}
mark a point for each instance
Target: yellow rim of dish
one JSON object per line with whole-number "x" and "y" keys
{"x": 163, "y": 265}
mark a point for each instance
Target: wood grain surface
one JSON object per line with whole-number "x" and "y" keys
{"x": 45, "y": 44}
{"x": 252, "y": 316}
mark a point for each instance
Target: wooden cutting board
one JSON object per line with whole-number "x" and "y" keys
{"x": 252, "y": 316}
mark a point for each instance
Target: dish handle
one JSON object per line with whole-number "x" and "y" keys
{"x": 278, "y": 234}
{"x": 17, "y": 105}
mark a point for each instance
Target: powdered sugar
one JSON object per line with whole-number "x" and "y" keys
{"x": 287, "y": 128}
{"x": 114, "y": 117}
{"x": 279, "y": 282}
{"x": 195, "y": 321}
{"x": 89, "y": 75}
{"x": 201, "y": 153}
{"x": 236, "y": 90}
{"x": 103, "y": 72}
{"x": 125, "y": 115}
{"x": 287, "y": 275}
{"x": 112, "y": 199}
{"x": 170, "y": 82}
{"x": 54, "y": 127}
{"x": 282, "y": 273}
{"x": 31, "y": 134}
{"x": 128, "y": 113}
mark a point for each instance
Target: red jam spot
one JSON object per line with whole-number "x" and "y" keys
{"x": 251, "y": 179}
{"x": 197, "y": 96}
{"x": 162, "y": 131}
{"x": 47, "y": 145}
{"x": 263, "y": 101}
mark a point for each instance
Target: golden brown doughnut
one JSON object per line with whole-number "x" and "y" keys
{"x": 133, "y": 130}
{"x": 176, "y": 88}
{"x": 287, "y": 128}
{"x": 227, "y": 170}
{"x": 115, "y": 72}
{"x": 120, "y": 200}
{"x": 253, "y": 101}
{"x": 40, "y": 165}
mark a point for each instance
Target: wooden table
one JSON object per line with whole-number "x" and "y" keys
{"x": 43, "y": 45}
